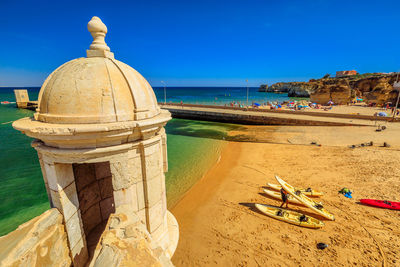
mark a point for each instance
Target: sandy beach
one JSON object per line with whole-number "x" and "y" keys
{"x": 219, "y": 225}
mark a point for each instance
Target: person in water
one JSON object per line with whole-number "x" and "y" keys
{"x": 284, "y": 196}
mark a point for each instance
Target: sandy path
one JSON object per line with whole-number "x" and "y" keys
{"x": 219, "y": 226}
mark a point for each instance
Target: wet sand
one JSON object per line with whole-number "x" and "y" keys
{"x": 220, "y": 227}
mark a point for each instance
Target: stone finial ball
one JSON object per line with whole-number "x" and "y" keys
{"x": 96, "y": 25}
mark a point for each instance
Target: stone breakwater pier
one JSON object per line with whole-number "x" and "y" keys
{"x": 254, "y": 116}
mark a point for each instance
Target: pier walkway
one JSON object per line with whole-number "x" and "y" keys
{"x": 254, "y": 116}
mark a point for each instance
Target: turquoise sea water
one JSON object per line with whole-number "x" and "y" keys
{"x": 193, "y": 147}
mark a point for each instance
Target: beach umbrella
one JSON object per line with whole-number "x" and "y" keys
{"x": 256, "y": 104}
{"x": 330, "y": 102}
{"x": 382, "y": 114}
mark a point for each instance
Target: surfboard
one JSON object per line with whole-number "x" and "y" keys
{"x": 308, "y": 192}
{"x": 277, "y": 195}
{"x": 317, "y": 207}
{"x": 289, "y": 216}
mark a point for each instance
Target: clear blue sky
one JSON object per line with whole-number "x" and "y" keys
{"x": 204, "y": 43}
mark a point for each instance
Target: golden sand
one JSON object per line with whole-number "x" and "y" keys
{"x": 220, "y": 227}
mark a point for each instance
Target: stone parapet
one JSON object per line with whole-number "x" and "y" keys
{"x": 126, "y": 242}
{"x": 41, "y": 241}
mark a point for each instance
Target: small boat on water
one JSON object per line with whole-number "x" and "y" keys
{"x": 5, "y": 102}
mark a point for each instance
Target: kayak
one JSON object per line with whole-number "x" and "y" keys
{"x": 289, "y": 216}
{"x": 381, "y": 203}
{"x": 317, "y": 207}
{"x": 277, "y": 195}
{"x": 308, "y": 192}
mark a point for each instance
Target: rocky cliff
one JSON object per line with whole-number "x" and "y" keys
{"x": 293, "y": 89}
{"x": 373, "y": 88}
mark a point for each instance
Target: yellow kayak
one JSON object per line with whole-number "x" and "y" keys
{"x": 317, "y": 207}
{"x": 277, "y": 195}
{"x": 308, "y": 192}
{"x": 289, "y": 216}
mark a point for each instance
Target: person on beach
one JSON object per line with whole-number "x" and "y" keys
{"x": 285, "y": 199}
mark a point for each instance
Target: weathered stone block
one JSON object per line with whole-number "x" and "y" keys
{"x": 91, "y": 218}
{"x": 74, "y": 229}
{"x": 120, "y": 175}
{"x": 46, "y": 183}
{"x": 106, "y": 187}
{"x": 173, "y": 232}
{"x": 142, "y": 215}
{"x": 163, "y": 240}
{"x": 164, "y": 201}
{"x": 153, "y": 165}
{"x": 134, "y": 152}
{"x": 159, "y": 232}
{"x": 80, "y": 253}
{"x": 140, "y": 195}
{"x": 153, "y": 147}
{"x": 107, "y": 207}
{"x": 102, "y": 170}
{"x": 135, "y": 169}
{"x": 155, "y": 215}
{"x": 66, "y": 201}
{"x": 164, "y": 151}
{"x": 154, "y": 191}
{"x": 163, "y": 188}
{"x": 134, "y": 248}
{"x": 65, "y": 174}
{"x": 41, "y": 241}
{"x": 126, "y": 197}
{"x": 51, "y": 175}
{"x": 88, "y": 196}
{"x": 84, "y": 175}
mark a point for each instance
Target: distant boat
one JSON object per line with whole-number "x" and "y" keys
{"x": 6, "y": 102}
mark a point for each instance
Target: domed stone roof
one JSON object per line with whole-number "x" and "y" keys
{"x": 96, "y": 89}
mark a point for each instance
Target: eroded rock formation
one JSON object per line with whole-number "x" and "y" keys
{"x": 126, "y": 242}
{"x": 41, "y": 241}
{"x": 293, "y": 89}
{"x": 373, "y": 88}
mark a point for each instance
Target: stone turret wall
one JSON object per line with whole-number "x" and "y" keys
{"x": 96, "y": 200}
{"x": 101, "y": 144}
{"x": 42, "y": 242}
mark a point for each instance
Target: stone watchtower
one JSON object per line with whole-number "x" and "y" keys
{"x": 101, "y": 144}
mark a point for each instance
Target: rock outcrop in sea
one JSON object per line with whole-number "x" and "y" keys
{"x": 293, "y": 89}
{"x": 373, "y": 88}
